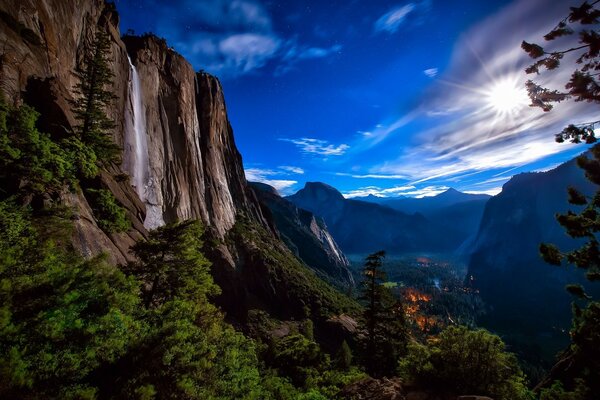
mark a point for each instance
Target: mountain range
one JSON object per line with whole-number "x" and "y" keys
{"x": 437, "y": 224}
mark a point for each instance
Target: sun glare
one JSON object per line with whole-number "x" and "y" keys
{"x": 506, "y": 96}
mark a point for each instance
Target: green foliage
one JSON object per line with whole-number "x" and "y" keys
{"x": 95, "y": 95}
{"x": 302, "y": 289}
{"x": 111, "y": 217}
{"x": 30, "y": 162}
{"x": 172, "y": 263}
{"x": 583, "y": 84}
{"x": 558, "y": 392}
{"x": 343, "y": 358}
{"x": 61, "y": 318}
{"x": 463, "y": 362}
{"x": 74, "y": 328}
{"x": 384, "y": 322}
{"x": 188, "y": 351}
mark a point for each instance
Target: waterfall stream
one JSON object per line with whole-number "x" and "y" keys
{"x": 135, "y": 160}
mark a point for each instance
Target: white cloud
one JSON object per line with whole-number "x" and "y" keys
{"x": 391, "y": 21}
{"x": 318, "y": 146}
{"x": 372, "y": 176}
{"x": 431, "y": 72}
{"x": 492, "y": 192}
{"x": 230, "y": 37}
{"x": 473, "y": 134}
{"x": 293, "y": 53}
{"x": 396, "y": 191}
{"x": 283, "y": 186}
{"x": 245, "y": 52}
{"x": 292, "y": 169}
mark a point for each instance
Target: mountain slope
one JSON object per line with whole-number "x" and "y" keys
{"x": 526, "y": 296}
{"x": 362, "y": 227}
{"x": 306, "y": 236}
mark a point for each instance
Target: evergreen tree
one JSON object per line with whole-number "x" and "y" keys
{"x": 30, "y": 162}
{"x": 95, "y": 95}
{"x": 582, "y": 356}
{"x": 344, "y": 357}
{"x": 62, "y": 318}
{"x": 384, "y": 322}
{"x": 188, "y": 350}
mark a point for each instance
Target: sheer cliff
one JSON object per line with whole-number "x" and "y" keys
{"x": 179, "y": 157}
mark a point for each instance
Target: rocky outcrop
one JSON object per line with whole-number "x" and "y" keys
{"x": 306, "y": 236}
{"x": 374, "y": 389}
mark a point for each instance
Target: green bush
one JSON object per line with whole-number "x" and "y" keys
{"x": 462, "y": 362}
{"x": 111, "y": 217}
{"x": 30, "y": 162}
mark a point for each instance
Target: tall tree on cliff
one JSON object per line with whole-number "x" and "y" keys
{"x": 579, "y": 369}
{"x": 94, "y": 96}
{"x": 384, "y": 323}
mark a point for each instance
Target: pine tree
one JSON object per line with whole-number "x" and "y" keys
{"x": 94, "y": 91}
{"x": 384, "y": 323}
{"x": 582, "y": 357}
{"x": 343, "y": 357}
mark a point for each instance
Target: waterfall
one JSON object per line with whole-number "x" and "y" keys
{"x": 135, "y": 160}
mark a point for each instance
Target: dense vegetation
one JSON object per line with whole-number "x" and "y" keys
{"x": 461, "y": 361}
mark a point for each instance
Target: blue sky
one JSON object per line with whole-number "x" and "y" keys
{"x": 374, "y": 97}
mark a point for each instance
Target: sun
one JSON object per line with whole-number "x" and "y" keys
{"x": 506, "y": 96}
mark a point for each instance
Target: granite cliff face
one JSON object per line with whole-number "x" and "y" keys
{"x": 179, "y": 156}
{"x": 193, "y": 161}
{"x": 525, "y": 297}
{"x": 306, "y": 236}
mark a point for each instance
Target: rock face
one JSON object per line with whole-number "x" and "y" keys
{"x": 306, "y": 236}
{"x": 374, "y": 389}
{"x": 191, "y": 151}
{"x": 525, "y": 296}
{"x": 361, "y": 227}
{"x": 190, "y": 165}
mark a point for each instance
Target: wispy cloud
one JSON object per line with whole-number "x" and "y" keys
{"x": 318, "y": 146}
{"x": 431, "y": 72}
{"x": 492, "y": 192}
{"x": 396, "y": 191}
{"x": 292, "y": 169}
{"x": 268, "y": 176}
{"x": 468, "y": 132}
{"x": 293, "y": 53}
{"x": 401, "y": 14}
{"x": 372, "y": 176}
{"x": 230, "y": 38}
{"x": 391, "y": 21}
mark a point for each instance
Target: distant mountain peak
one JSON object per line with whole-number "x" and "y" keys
{"x": 451, "y": 190}
{"x": 263, "y": 187}
{"x": 321, "y": 189}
